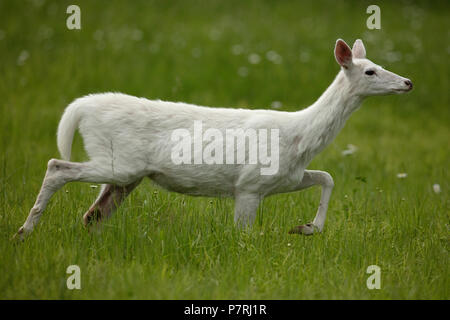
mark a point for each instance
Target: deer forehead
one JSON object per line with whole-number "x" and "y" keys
{"x": 365, "y": 64}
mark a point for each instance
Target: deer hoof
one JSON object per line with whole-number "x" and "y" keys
{"x": 305, "y": 229}
{"x": 20, "y": 235}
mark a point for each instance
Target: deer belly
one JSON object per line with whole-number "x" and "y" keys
{"x": 195, "y": 185}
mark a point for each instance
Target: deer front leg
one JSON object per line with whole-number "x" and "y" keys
{"x": 312, "y": 178}
{"x": 245, "y": 208}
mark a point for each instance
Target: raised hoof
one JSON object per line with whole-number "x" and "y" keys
{"x": 19, "y": 236}
{"x": 305, "y": 229}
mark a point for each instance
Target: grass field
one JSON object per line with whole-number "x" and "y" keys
{"x": 162, "y": 245}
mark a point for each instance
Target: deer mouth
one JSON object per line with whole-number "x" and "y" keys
{"x": 403, "y": 90}
{"x": 409, "y": 86}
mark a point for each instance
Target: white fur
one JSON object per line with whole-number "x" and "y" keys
{"x": 128, "y": 138}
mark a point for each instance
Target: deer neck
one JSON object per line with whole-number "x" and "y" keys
{"x": 321, "y": 122}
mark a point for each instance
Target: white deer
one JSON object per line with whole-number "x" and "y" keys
{"x": 129, "y": 138}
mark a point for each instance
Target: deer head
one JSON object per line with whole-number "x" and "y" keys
{"x": 365, "y": 77}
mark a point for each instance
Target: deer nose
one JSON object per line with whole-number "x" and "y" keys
{"x": 409, "y": 84}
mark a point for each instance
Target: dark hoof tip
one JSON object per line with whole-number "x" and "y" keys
{"x": 19, "y": 236}
{"x": 306, "y": 229}
{"x": 296, "y": 230}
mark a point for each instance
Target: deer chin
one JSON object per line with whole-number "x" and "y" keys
{"x": 402, "y": 90}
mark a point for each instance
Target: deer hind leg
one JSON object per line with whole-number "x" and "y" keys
{"x": 109, "y": 199}
{"x": 54, "y": 180}
{"x": 59, "y": 173}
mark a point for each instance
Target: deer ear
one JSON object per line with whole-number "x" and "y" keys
{"x": 358, "y": 49}
{"x": 343, "y": 54}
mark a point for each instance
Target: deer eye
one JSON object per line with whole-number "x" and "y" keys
{"x": 370, "y": 72}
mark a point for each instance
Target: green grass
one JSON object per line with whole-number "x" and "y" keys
{"x": 162, "y": 245}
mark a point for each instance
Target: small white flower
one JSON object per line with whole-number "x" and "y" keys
{"x": 254, "y": 58}
{"x": 237, "y": 49}
{"x": 274, "y": 57}
{"x": 276, "y": 105}
{"x": 93, "y": 186}
{"x": 289, "y": 244}
{"x": 402, "y": 175}
{"x": 23, "y": 56}
{"x": 243, "y": 72}
{"x": 436, "y": 188}
{"x": 351, "y": 149}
